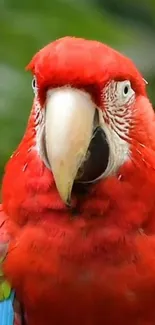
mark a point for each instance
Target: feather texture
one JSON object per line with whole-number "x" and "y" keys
{"x": 94, "y": 263}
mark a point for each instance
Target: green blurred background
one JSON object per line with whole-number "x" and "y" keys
{"x": 26, "y": 26}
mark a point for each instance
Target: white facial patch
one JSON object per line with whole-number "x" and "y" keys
{"x": 119, "y": 149}
{"x": 118, "y": 98}
{"x": 115, "y": 119}
{"x": 39, "y": 119}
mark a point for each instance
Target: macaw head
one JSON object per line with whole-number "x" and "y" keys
{"x": 90, "y": 116}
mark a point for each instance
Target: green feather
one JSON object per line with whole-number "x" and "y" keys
{"x": 5, "y": 288}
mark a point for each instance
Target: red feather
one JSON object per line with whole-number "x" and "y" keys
{"x": 82, "y": 63}
{"x": 94, "y": 264}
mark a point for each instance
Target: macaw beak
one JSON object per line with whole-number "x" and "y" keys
{"x": 69, "y": 124}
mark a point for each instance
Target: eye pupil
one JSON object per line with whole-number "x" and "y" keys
{"x": 33, "y": 83}
{"x": 126, "y": 90}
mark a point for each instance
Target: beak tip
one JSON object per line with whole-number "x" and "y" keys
{"x": 65, "y": 197}
{"x": 68, "y": 202}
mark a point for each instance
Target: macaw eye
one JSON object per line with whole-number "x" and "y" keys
{"x": 124, "y": 91}
{"x": 34, "y": 84}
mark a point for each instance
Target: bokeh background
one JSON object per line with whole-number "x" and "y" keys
{"x": 26, "y": 26}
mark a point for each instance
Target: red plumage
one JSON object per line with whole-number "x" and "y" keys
{"x": 95, "y": 263}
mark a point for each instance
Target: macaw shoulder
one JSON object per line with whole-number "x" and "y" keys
{"x": 4, "y": 237}
{"x": 5, "y": 288}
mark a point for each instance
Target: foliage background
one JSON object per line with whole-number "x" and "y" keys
{"x": 26, "y": 26}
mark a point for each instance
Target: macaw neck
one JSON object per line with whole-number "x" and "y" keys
{"x": 28, "y": 188}
{"x": 29, "y": 192}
